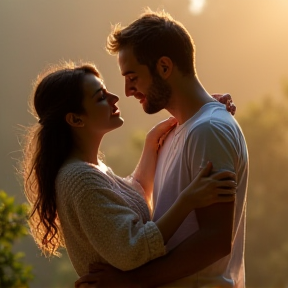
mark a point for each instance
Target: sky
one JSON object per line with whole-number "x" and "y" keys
{"x": 241, "y": 48}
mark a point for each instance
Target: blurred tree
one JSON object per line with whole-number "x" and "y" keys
{"x": 123, "y": 159}
{"x": 13, "y": 273}
{"x": 265, "y": 127}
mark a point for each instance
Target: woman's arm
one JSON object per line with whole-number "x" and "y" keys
{"x": 109, "y": 225}
{"x": 145, "y": 170}
{"x": 203, "y": 191}
{"x": 116, "y": 231}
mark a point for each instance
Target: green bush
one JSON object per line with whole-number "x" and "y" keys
{"x": 13, "y": 272}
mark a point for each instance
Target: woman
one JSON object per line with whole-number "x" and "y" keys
{"x": 77, "y": 201}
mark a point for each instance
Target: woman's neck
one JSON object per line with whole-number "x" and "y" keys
{"x": 85, "y": 157}
{"x": 86, "y": 150}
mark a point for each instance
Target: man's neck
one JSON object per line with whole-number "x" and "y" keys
{"x": 188, "y": 97}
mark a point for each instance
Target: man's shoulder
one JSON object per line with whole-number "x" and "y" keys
{"x": 214, "y": 112}
{"x": 214, "y": 123}
{"x": 213, "y": 118}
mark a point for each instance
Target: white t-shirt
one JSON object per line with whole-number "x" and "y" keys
{"x": 211, "y": 134}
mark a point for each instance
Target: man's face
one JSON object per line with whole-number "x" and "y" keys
{"x": 151, "y": 90}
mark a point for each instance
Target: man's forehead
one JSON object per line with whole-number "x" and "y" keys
{"x": 127, "y": 61}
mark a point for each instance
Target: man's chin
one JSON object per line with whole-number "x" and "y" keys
{"x": 151, "y": 110}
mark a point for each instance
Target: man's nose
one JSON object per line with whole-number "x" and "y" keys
{"x": 129, "y": 89}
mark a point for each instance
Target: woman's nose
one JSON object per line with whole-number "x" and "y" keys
{"x": 113, "y": 98}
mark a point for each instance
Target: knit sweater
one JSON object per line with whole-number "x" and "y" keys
{"x": 104, "y": 219}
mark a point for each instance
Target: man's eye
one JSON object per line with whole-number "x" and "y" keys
{"x": 132, "y": 78}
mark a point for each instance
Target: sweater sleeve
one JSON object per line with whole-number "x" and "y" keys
{"x": 115, "y": 231}
{"x": 130, "y": 180}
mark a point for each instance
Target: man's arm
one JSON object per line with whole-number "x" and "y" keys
{"x": 213, "y": 240}
{"x": 209, "y": 244}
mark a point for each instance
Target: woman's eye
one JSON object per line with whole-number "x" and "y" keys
{"x": 102, "y": 96}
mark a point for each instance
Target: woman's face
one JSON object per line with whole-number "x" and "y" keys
{"x": 101, "y": 114}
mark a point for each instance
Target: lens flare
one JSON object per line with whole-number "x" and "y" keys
{"x": 196, "y": 6}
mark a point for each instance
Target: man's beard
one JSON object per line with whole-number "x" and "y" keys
{"x": 158, "y": 95}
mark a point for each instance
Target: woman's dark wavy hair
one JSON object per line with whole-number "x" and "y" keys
{"x": 57, "y": 92}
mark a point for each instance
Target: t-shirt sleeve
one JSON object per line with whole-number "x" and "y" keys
{"x": 115, "y": 231}
{"x": 211, "y": 141}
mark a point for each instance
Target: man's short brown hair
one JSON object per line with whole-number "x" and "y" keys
{"x": 153, "y": 35}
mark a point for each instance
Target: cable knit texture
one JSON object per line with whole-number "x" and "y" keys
{"x": 104, "y": 219}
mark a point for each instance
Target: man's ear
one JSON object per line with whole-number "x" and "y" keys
{"x": 74, "y": 120}
{"x": 164, "y": 67}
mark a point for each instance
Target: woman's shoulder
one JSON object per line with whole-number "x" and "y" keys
{"x": 82, "y": 173}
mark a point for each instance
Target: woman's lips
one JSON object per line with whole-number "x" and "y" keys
{"x": 115, "y": 111}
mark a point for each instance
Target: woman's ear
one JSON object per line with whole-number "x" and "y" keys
{"x": 74, "y": 120}
{"x": 164, "y": 67}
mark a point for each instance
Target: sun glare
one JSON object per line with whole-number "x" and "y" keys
{"x": 196, "y": 6}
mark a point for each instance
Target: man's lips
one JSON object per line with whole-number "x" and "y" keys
{"x": 140, "y": 96}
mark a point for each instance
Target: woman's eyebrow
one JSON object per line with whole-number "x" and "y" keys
{"x": 98, "y": 90}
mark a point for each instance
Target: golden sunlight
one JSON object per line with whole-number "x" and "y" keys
{"x": 196, "y": 6}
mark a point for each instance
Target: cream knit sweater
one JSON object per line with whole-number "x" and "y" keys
{"x": 104, "y": 219}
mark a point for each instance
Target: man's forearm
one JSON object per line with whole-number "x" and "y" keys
{"x": 203, "y": 248}
{"x": 180, "y": 262}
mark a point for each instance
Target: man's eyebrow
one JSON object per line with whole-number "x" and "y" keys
{"x": 128, "y": 72}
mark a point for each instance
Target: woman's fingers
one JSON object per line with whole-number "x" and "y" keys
{"x": 205, "y": 171}
{"x": 163, "y": 129}
{"x": 223, "y": 175}
{"x": 223, "y": 191}
{"x": 159, "y": 132}
{"x": 86, "y": 279}
{"x": 165, "y": 125}
{"x": 222, "y": 98}
{"x": 226, "y": 184}
{"x": 225, "y": 197}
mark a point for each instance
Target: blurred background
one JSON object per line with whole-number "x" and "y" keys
{"x": 241, "y": 48}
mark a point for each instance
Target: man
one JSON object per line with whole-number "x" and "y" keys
{"x": 157, "y": 58}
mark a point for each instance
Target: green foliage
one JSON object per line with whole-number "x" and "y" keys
{"x": 265, "y": 127}
{"x": 13, "y": 273}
